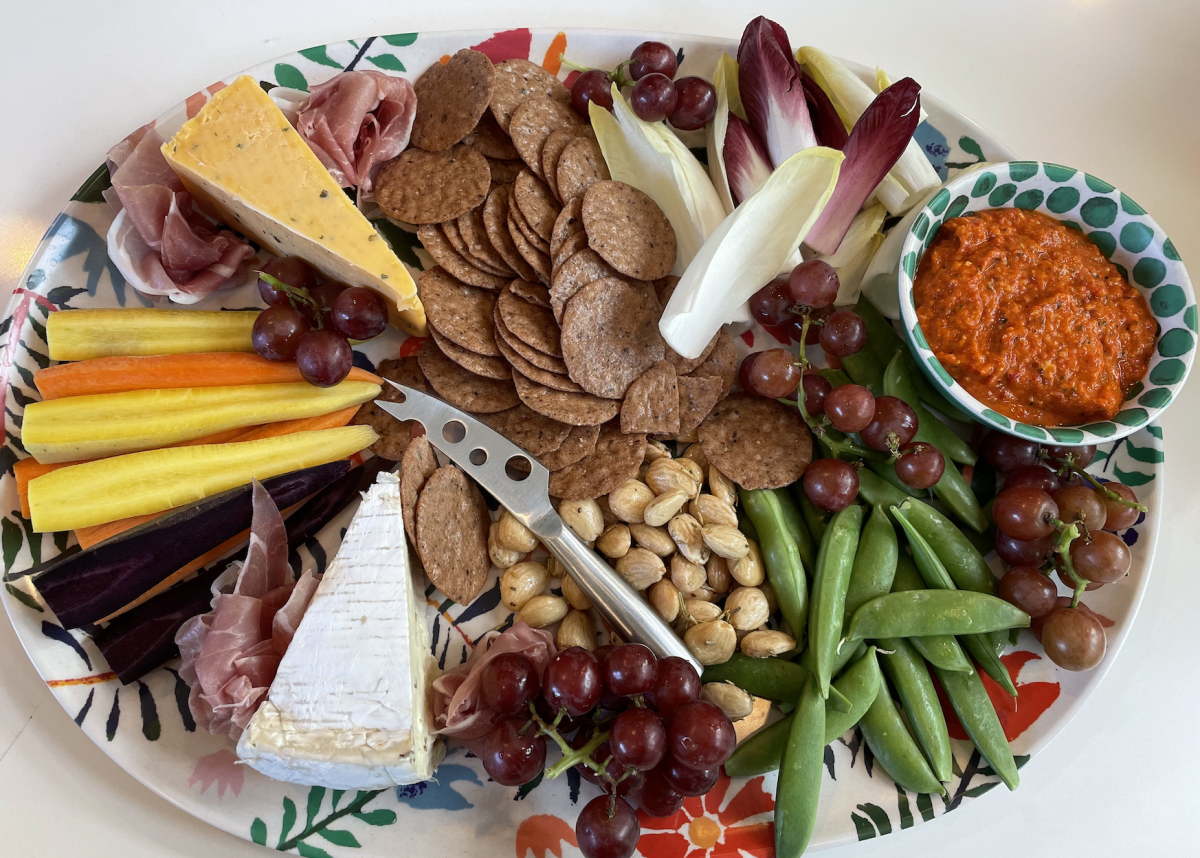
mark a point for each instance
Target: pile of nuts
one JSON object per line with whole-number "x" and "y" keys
{"x": 673, "y": 534}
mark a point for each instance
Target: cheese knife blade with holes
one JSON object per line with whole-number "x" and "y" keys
{"x": 484, "y": 454}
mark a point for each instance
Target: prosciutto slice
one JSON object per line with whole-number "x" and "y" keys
{"x": 230, "y": 654}
{"x": 357, "y": 121}
{"x": 458, "y": 707}
{"x": 159, "y": 241}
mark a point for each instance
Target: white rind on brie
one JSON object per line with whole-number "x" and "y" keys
{"x": 349, "y": 707}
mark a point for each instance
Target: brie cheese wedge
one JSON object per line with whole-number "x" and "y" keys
{"x": 349, "y": 707}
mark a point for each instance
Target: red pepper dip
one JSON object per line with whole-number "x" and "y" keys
{"x": 1029, "y": 317}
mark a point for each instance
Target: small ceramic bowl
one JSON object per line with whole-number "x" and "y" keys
{"x": 1125, "y": 234}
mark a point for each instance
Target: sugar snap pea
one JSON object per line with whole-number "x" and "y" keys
{"x": 953, "y": 491}
{"x": 894, "y": 748}
{"x": 887, "y": 472}
{"x": 958, "y": 554}
{"x": 898, "y": 383}
{"x": 771, "y": 678}
{"x": 983, "y": 649}
{"x": 799, "y": 784}
{"x": 875, "y": 490}
{"x": 835, "y": 561}
{"x": 875, "y": 562}
{"x": 978, "y": 717}
{"x": 816, "y": 520}
{"x": 942, "y": 650}
{"x": 835, "y": 377}
{"x": 745, "y": 525}
{"x": 865, "y": 368}
{"x": 910, "y": 677}
{"x": 933, "y": 612}
{"x": 798, "y": 529}
{"x": 781, "y": 556}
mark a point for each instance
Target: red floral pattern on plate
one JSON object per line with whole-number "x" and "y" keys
{"x": 703, "y": 829}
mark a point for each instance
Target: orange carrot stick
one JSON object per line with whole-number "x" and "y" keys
{"x": 209, "y": 369}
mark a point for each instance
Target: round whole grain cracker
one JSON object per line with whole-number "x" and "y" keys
{"x": 578, "y": 409}
{"x": 488, "y": 367}
{"x": 505, "y": 172}
{"x": 581, "y": 442}
{"x": 538, "y": 358}
{"x": 490, "y": 140}
{"x": 461, "y": 313}
{"x": 462, "y": 388}
{"x": 610, "y": 335}
{"x": 450, "y": 230}
{"x": 452, "y": 532}
{"x": 553, "y": 380}
{"x": 537, "y": 205}
{"x": 518, "y": 217}
{"x": 534, "y": 293}
{"x": 616, "y": 459}
{"x": 495, "y": 223}
{"x": 534, "y": 433}
{"x": 664, "y": 288}
{"x": 433, "y": 239}
{"x": 579, "y": 270}
{"x": 569, "y": 222}
{"x": 697, "y": 398}
{"x": 533, "y": 121}
{"x": 580, "y": 166}
{"x": 722, "y": 362}
{"x": 552, "y": 149}
{"x": 758, "y": 443}
{"x": 394, "y": 435}
{"x": 451, "y": 97}
{"x": 538, "y": 260}
{"x": 459, "y": 243}
{"x": 530, "y": 323}
{"x": 651, "y": 404}
{"x": 517, "y": 80}
{"x": 417, "y": 466}
{"x": 628, "y": 230}
{"x": 479, "y": 247}
{"x": 573, "y": 244}
{"x": 432, "y": 187}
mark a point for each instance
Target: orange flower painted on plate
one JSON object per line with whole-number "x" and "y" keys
{"x": 553, "y": 60}
{"x": 705, "y": 829}
{"x": 543, "y": 835}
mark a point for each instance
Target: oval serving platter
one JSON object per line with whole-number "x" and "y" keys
{"x": 146, "y": 727}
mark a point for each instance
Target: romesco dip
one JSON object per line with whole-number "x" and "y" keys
{"x": 1031, "y": 319}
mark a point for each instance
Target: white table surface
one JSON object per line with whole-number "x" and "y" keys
{"x": 1103, "y": 85}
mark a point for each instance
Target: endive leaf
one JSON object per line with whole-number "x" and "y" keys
{"x": 769, "y": 84}
{"x": 882, "y": 82}
{"x": 746, "y": 159}
{"x": 725, "y": 80}
{"x": 855, "y": 252}
{"x": 749, "y": 248}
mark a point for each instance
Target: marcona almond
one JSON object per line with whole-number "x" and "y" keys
{"x": 664, "y": 598}
{"x": 554, "y": 567}
{"x": 719, "y": 578}
{"x": 749, "y": 570}
{"x": 689, "y": 438}
{"x": 615, "y": 541}
{"x": 655, "y": 450}
{"x": 628, "y": 501}
{"x": 606, "y": 511}
{"x": 642, "y": 469}
{"x": 583, "y": 517}
{"x": 654, "y": 539}
{"x": 721, "y": 486}
{"x": 727, "y": 541}
{"x": 663, "y": 508}
{"x": 700, "y": 611}
{"x": 687, "y": 576}
{"x": 710, "y": 509}
{"x": 712, "y": 642}
{"x": 641, "y": 568}
{"x": 747, "y": 608}
{"x": 769, "y": 592}
{"x": 765, "y": 644}
{"x": 735, "y": 703}
{"x": 685, "y": 530}
{"x": 696, "y": 453}
{"x": 501, "y": 556}
{"x": 576, "y": 629}
{"x": 513, "y": 535}
{"x": 521, "y": 582}
{"x": 693, "y": 469}
{"x": 542, "y": 611}
{"x": 667, "y": 475}
{"x": 572, "y": 593}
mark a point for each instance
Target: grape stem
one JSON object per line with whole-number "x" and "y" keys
{"x": 294, "y": 294}
{"x": 571, "y": 756}
{"x": 1068, "y": 466}
{"x": 616, "y": 76}
{"x": 1067, "y": 534}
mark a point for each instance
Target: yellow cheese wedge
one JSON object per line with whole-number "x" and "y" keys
{"x": 241, "y": 160}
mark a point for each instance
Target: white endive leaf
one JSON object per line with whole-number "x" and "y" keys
{"x": 855, "y": 252}
{"x": 724, "y": 81}
{"x": 749, "y": 248}
{"x": 882, "y": 82}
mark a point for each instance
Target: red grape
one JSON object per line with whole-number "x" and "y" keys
{"x": 1006, "y": 453}
{"x": 816, "y": 388}
{"x": 510, "y": 758}
{"x": 1036, "y": 476}
{"x": 572, "y": 681}
{"x": 1029, "y": 589}
{"x": 653, "y": 97}
{"x": 772, "y": 374}
{"x": 638, "y": 738}
{"x": 630, "y": 779}
{"x": 1035, "y": 625}
{"x": 603, "y": 652}
{"x": 1117, "y": 515}
{"x": 324, "y": 295}
{"x": 651, "y": 58}
{"x": 602, "y": 834}
{"x": 1055, "y": 454}
{"x": 277, "y": 332}
{"x": 592, "y": 85}
{"x": 359, "y": 313}
{"x": 1105, "y": 559}
{"x": 324, "y": 357}
{"x": 844, "y": 333}
{"x": 831, "y": 484}
{"x": 796, "y": 325}
{"x": 287, "y": 269}
{"x": 850, "y": 407}
{"x": 697, "y": 104}
{"x": 701, "y": 735}
{"x": 657, "y": 797}
{"x": 677, "y": 684}
{"x": 1017, "y": 552}
{"x": 892, "y": 416}
{"x": 745, "y": 368}
{"x": 1066, "y": 579}
{"x": 630, "y": 669}
{"x": 813, "y": 284}
{"x": 685, "y": 780}
{"x": 509, "y": 682}
{"x": 920, "y": 465}
{"x": 1024, "y": 513}
{"x": 769, "y": 305}
{"x": 1073, "y": 638}
{"x": 1081, "y": 503}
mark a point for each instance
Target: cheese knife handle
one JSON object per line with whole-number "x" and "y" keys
{"x": 625, "y": 609}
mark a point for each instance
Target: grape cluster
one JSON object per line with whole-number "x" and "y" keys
{"x": 688, "y": 103}
{"x": 631, "y": 723}
{"x": 1050, "y": 516}
{"x": 311, "y": 322}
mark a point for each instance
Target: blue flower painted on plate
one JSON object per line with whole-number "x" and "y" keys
{"x": 933, "y": 144}
{"x": 439, "y": 794}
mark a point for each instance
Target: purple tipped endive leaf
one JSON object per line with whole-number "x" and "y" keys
{"x": 771, "y": 91}
{"x": 876, "y": 142}
{"x": 827, "y": 125}
{"x": 747, "y": 164}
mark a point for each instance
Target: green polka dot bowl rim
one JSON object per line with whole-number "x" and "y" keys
{"x": 1123, "y": 232}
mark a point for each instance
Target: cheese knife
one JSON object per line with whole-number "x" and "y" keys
{"x": 499, "y": 466}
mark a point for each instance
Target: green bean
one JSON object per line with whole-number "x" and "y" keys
{"x": 798, "y": 529}
{"x": 865, "y": 367}
{"x": 875, "y": 490}
{"x": 894, "y": 748}
{"x": 875, "y": 562}
{"x": 908, "y": 673}
{"x": 835, "y": 377}
{"x": 941, "y": 650}
{"x": 781, "y": 556}
{"x": 961, "y": 558}
{"x": 898, "y": 383}
{"x": 834, "y": 564}
{"x": 815, "y": 519}
{"x": 771, "y": 678}
{"x": 933, "y": 612}
{"x": 799, "y": 786}
{"x": 887, "y": 472}
{"x": 978, "y": 717}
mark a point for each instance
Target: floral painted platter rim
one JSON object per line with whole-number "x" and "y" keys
{"x": 146, "y": 727}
